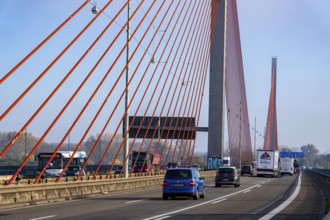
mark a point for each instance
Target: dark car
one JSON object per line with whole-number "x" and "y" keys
{"x": 74, "y": 170}
{"x": 171, "y": 165}
{"x": 247, "y": 169}
{"x": 119, "y": 168}
{"x": 183, "y": 182}
{"x": 227, "y": 176}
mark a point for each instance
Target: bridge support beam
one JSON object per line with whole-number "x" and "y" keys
{"x": 217, "y": 85}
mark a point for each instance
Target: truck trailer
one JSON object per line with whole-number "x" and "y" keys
{"x": 146, "y": 161}
{"x": 267, "y": 163}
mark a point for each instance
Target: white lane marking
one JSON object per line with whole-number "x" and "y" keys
{"x": 163, "y": 217}
{"x": 246, "y": 191}
{"x": 200, "y": 204}
{"x": 221, "y": 200}
{"x": 136, "y": 201}
{"x": 50, "y": 216}
{"x": 274, "y": 212}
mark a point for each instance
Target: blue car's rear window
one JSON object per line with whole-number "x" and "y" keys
{"x": 178, "y": 174}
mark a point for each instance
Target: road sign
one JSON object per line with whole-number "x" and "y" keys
{"x": 291, "y": 154}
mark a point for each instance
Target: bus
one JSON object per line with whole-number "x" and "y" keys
{"x": 60, "y": 159}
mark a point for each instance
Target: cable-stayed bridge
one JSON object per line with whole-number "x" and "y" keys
{"x": 135, "y": 75}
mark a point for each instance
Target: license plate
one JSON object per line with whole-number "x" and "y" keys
{"x": 225, "y": 180}
{"x": 178, "y": 184}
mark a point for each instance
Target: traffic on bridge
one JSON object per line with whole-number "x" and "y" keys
{"x": 102, "y": 100}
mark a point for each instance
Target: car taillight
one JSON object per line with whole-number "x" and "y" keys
{"x": 234, "y": 174}
{"x": 216, "y": 174}
{"x": 164, "y": 184}
{"x": 192, "y": 183}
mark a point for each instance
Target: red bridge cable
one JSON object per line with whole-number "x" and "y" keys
{"x": 198, "y": 89}
{"x": 112, "y": 89}
{"x": 169, "y": 148}
{"x": 132, "y": 144}
{"x": 52, "y": 63}
{"x": 187, "y": 66}
{"x": 48, "y": 130}
{"x": 182, "y": 67}
{"x": 162, "y": 91}
{"x": 78, "y": 89}
{"x": 146, "y": 90}
{"x": 57, "y": 88}
{"x": 199, "y": 96}
{"x": 123, "y": 93}
{"x": 167, "y": 43}
{"x": 42, "y": 43}
{"x": 134, "y": 116}
{"x": 88, "y": 102}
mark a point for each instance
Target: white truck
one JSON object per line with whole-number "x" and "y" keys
{"x": 226, "y": 161}
{"x": 286, "y": 166}
{"x": 267, "y": 163}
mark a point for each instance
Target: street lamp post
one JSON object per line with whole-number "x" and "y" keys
{"x": 255, "y": 138}
{"x": 25, "y": 143}
{"x": 126, "y": 122}
{"x": 100, "y": 150}
{"x": 240, "y": 134}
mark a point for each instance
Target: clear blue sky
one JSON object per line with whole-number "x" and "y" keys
{"x": 296, "y": 31}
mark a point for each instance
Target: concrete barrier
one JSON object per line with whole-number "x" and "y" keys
{"x": 33, "y": 194}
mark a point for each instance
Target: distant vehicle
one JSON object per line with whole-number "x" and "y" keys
{"x": 286, "y": 166}
{"x": 227, "y": 176}
{"x": 60, "y": 159}
{"x": 119, "y": 168}
{"x": 74, "y": 170}
{"x": 296, "y": 166}
{"x": 267, "y": 163}
{"x": 171, "y": 165}
{"x": 183, "y": 182}
{"x": 152, "y": 161}
{"x": 247, "y": 169}
{"x": 226, "y": 161}
{"x": 196, "y": 166}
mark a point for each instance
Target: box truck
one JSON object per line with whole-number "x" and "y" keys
{"x": 267, "y": 163}
{"x": 286, "y": 166}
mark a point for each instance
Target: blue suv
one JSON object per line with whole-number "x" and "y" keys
{"x": 183, "y": 182}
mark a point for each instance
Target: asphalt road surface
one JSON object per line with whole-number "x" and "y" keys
{"x": 257, "y": 197}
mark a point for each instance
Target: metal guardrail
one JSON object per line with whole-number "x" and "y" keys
{"x": 325, "y": 172}
{"x": 322, "y": 173}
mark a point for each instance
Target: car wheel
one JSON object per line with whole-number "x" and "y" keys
{"x": 217, "y": 185}
{"x": 165, "y": 197}
{"x": 236, "y": 185}
{"x": 197, "y": 195}
{"x": 203, "y": 195}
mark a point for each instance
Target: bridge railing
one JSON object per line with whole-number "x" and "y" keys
{"x": 322, "y": 173}
{"x": 32, "y": 194}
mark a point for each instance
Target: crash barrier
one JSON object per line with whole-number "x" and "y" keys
{"x": 322, "y": 178}
{"x": 33, "y": 194}
{"x": 322, "y": 173}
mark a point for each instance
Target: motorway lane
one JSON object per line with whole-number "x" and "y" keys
{"x": 246, "y": 202}
{"x": 254, "y": 195}
{"x": 309, "y": 204}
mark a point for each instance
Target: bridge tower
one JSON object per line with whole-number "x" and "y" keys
{"x": 217, "y": 85}
{"x": 270, "y": 142}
